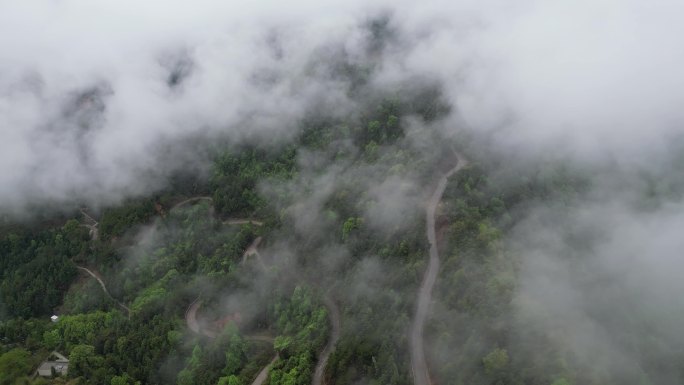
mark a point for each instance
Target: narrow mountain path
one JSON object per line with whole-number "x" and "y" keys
{"x": 191, "y": 316}
{"x": 190, "y": 200}
{"x": 419, "y": 368}
{"x": 239, "y": 221}
{"x": 334, "y": 337}
{"x": 91, "y": 224}
{"x": 104, "y": 288}
{"x": 194, "y": 325}
{"x": 191, "y": 312}
{"x": 88, "y": 218}
{"x": 263, "y": 374}
{"x": 252, "y": 250}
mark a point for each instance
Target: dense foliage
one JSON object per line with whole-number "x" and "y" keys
{"x": 36, "y": 268}
{"x": 302, "y": 325}
{"x": 328, "y": 238}
{"x": 481, "y": 329}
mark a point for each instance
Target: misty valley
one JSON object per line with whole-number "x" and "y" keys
{"x": 395, "y": 194}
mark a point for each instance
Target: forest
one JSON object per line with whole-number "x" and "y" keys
{"x": 287, "y": 252}
{"x": 349, "y": 193}
{"x": 157, "y": 255}
{"x": 212, "y": 281}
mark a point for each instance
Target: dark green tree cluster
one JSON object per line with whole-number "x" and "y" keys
{"x": 15, "y": 364}
{"x": 478, "y": 280}
{"x": 222, "y": 360}
{"x": 189, "y": 242}
{"x": 188, "y": 250}
{"x": 373, "y": 343}
{"x": 36, "y": 268}
{"x": 102, "y": 346}
{"x": 303, "y": 326}
{"x": 117, "y": 220}
{"x": 235, "y": 178}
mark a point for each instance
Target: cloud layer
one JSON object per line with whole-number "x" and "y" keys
{"x": 97, "y": 99}
{"x": 91, "y": 91}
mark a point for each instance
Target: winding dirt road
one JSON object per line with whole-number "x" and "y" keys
{"x": 91, "y": 224}
{"x": 252, "y": 249}
{"x": 419, "y": 368}
{"x": 191, "y": 312}
{"x": 193, "y": 324}
{"x": 104, "y": 288}
{"x": 190, "y": 200}
{"x": 191, "y": 316}
{"x": 88, "y": 218}
{"x": 334, "y": 336}
{"x": 263, "y": 374}
{"x": 243, "y": 222}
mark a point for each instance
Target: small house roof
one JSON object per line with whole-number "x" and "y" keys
{"x": 45, "y": 369}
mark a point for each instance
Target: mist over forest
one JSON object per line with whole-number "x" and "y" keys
{"x": 341, "y": 193}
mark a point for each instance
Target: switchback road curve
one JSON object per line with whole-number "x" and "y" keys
{"x": 419, "y": 368}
